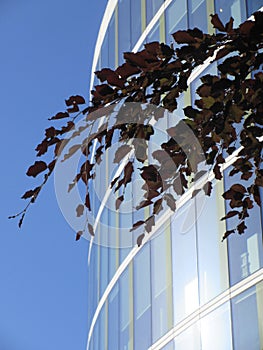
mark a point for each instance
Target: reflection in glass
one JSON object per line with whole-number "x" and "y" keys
{"x": 126, "y": 310}
{"x": 136, "y": 21}
{"x": 197, "y": 12}
{"x": 212, "y": 253}
{"x": 175, "y": 18}
{"x": 245, "y": 251}
{"x": 152, "y": 6}
{"x": 216, "y": 329}
{"x": 253, "y": 6}
{"x": 189, "y": 339}
{"x": 124, "y": 28}
{"x": 185, "y": 277}
{"x": 103, "y": 329}
{"x": 247, "y": 319}
{"x": 161, "y": 284}
{"x": 232, "y": 8}
{"x": 142, "y": 299}
{"x": 113, "y": 317}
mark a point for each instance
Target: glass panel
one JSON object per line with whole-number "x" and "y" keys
{"x": 175, "y": 18}
{"x": 112, "y": 42}
{"x": 136, "y": 21}
{"x": 169, "y": 346}
{"x": 103, "y": 262}
{"x": 247, "y": 319}
{"x": 154, "y": 34}
{"x": 142, "y": 299}
{"x": 198, "y": 14}
{"x": 253, "y": 5}
{"x": 245, "y": 251}
{"x": 189, "y": 339}
{"x": 212, "y": 253}
{"x": 126, "y": 317}
{"x": 216, "y": 329}
{"x": 124, "y": 28}
{"x": 185, "y": 278}
{"x": 105, "y": 52}
{"x": 234, "y": 8}
{"x": 161, "y": 284}
{"x": 152, "y": 6}
{"x": 103, "y": 329}
{"x": 113, "y": 320}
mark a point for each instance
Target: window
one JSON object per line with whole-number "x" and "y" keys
{"x": 176, "y": 18}
{"x": 161, "y": 283}
{"x": 245, "y": 251}
{"x": 197, "y": 11}
{"x": 212, "y": 253}
{"x": 216, "y": 329}
{"x": 113, "y": 319}
{"x": 231, "y": 8}
{"x": 253, "y": 6}
{"x": 124, "y": 28}
{"x": 185, "y": 277}
{"x": 142, "y": 299}
{"x": 126, "y": 307}
{"x": 136, "y": 21}
{"x": 247, "y": 319}
{"x": 152, "y": 6}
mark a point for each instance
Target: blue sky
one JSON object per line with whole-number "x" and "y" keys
{"x": 46, "y": 54}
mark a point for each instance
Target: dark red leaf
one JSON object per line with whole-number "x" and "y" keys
{"x": 73, "y": 109}
{"x": 51, "y": 132}
{"x": 80, "y": 210}
{"x": 217, "y": 172}
{"x": 144, "y": 204}
{"x": 149, "y": 223}
{"x": 78, "y": 235}
{"x": 241, "y": 227}
{"x": 230, "y": 214}
{"x": 140, "y": 239}
{"x": 31, "y": 193}
{"x": 42, "y": 148}
{"x": 157, "y": 207}
{"x": 21, "y": 220}
{"x": 71, "y": 151}
{"x": 37, "y": 168}
{"x": 238, "y": 188}
{"x": 87, "y": 202}
{"x": 183, "y": 37}
{"x": 217, "y": 23}
{"x": 136, "y": 225}
{"x": 51, "y": 165}
{"x": 208, "y": 188}
{"x": 128, "y": 170}
{"x": 170, "y": 201}
{"x": 118, "y": 202}
{"x": 91, "y": 231}
{"x": 73, "y": 100}
{"x": 121, "y": 152}
{"x": 59, "y": 115}
{"x": 126, "y": 70}
{"x": 228, "y": 233}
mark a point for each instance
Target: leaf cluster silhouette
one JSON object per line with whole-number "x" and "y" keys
{"x": 226, "y": 119}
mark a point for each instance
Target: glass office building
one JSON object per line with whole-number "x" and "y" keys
{"x": 184, "y": 288}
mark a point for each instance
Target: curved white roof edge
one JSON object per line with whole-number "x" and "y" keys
{"x": 101, "y": 35}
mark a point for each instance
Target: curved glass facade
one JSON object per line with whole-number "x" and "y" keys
{"x": 183, "y": 289}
